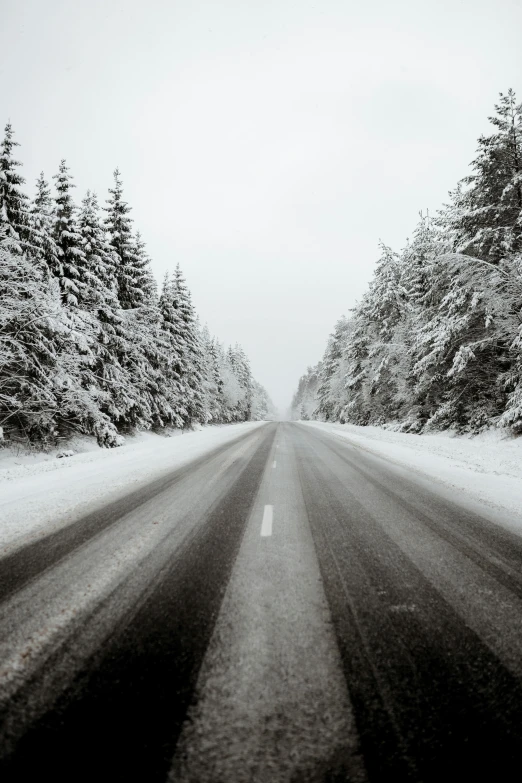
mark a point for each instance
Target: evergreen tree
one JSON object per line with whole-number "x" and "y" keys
{"x": 305, "y": 400}
{"x": 262, "y": 406}
{"x": 145, "y": 281}
{"x": 14, "y": 204}
{"x": 233, "y": 392}
{"x": 42, "y": 221}
{"x": 172, "y": 327}
{"x": 463, "y": 348}
{"x": 43, "y": 393}
{"x": 130, "y": 260}
{"x": 85, "y": 343}
{"x": 332, "y": 392}
{"x": 67, "y": 238}
{"x": 212, "y": 378}
{"x": 486, "y": 220}
{"x": 96, "y": 266}
{"x": 190, "y": 360}
{"x": 112, "y": 346}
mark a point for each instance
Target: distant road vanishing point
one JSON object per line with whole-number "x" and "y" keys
{"x": 287, "y": 608}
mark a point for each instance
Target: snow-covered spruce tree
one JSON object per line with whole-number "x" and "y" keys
{"x": 511, "y": 380}
{"x": 67, "y": 239}
{"x": 41, "y": 389}
{"x": 465, "y": 347}
{"x": 129, "y": 257}
{"x": 232, "y": 392}
{"x": 418, "y": 268}
{"x": 189, "y": 362}
{"x": 14, "y": 204}
{"x": 144, "y": 278}
{"x": 42, "y": 218}
{"x": 423, "y": 279}
{"x": 30, "y": 322}
{"x": 96, "y": 266}
{"x": 172, "y": 328}
{"x": 436, "y": 340}
{"x": 141, "y": 319}
{"x": 212, "y": 377}
{"x": 260, "y": 402}
{"x": 381, "y": 313}
{"x": 85, "y": 283}
{"x": 231, "y": 389}
{"x": 240, "y": 367}
{"x": 305, "y": 400}
{"x": 85, "y": 345}
{"x": 112, "y": 347}
{"x": 262, "y": 406}
{"x": 485, "y": 216}
{"x": 333, "y": 393}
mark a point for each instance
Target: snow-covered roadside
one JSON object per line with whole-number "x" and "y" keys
{"x": 41, "y": 493}
{"x": 486, "y": 467}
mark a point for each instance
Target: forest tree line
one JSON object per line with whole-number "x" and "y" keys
{"x": 87, "y": 342}
{"x": 436, "y": 340}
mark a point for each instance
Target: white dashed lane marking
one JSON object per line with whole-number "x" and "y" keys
{"x": 266, "y": 525}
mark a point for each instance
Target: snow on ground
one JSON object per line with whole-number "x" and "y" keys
{"x": 486, "y": 467}
{"x": 40, "y": 492}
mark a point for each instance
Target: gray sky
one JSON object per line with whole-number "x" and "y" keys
{"x": 266, "y": 145}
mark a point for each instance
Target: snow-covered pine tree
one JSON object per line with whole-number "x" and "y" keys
{"x": 262, "y": 406}
{"x": 212, "y": 380}
{"x": 463, "y": 350}
{"x": 44, "y": 360}
{"x": 418, "y": 270}
{"x": 145, "y": 280}
{"x": 42, "y": 221}
{"x": 112, "y": 349}
{"x": 172, "y": 366}
{"x": 240, "y": 367}
{"x": 14, "y": 204}
{"x": 30, "y": 315}
{"x": 191, "y": 356}
{"x": 138, "y": 299}
{"x": 511, "y": 380}
{"x": 96, "y": 267}
{"x": 229, "y": 385}
{"x": 245, "y": 378}
{"x": 485, "y": 220}
{"x": 305, "y": 400}
{"x": 332, "y": 392}
{"x": 129, "y": 264}
{"x": 423, "y": 281}
{"x": 232, "y": 392}
{"x": 67, "y": 238}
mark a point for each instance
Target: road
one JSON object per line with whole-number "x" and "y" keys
{"x": 287, "y": 608}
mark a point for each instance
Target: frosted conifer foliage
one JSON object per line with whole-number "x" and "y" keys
{"x": 14, "y": 204}
{"x": 436, "y": 341}
{"x": 86, "y": 344}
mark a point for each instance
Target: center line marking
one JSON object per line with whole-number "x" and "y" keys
{"x": 266, "y": 525}
{"x": 274, "y": 464}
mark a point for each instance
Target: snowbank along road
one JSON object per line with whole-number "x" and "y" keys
{"x": 286, "y": 607}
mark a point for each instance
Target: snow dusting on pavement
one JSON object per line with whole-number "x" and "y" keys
{"x": 486, "y": 467}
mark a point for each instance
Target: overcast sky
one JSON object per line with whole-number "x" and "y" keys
{"x": 266, "y": 145}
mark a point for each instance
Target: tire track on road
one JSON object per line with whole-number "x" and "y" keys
{"x": 120, "y": 719}
{"x": 26, "y": 563}
{"x": 431, "y": 700}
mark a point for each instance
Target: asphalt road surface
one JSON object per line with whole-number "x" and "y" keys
{"x": 287, "y": 608}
